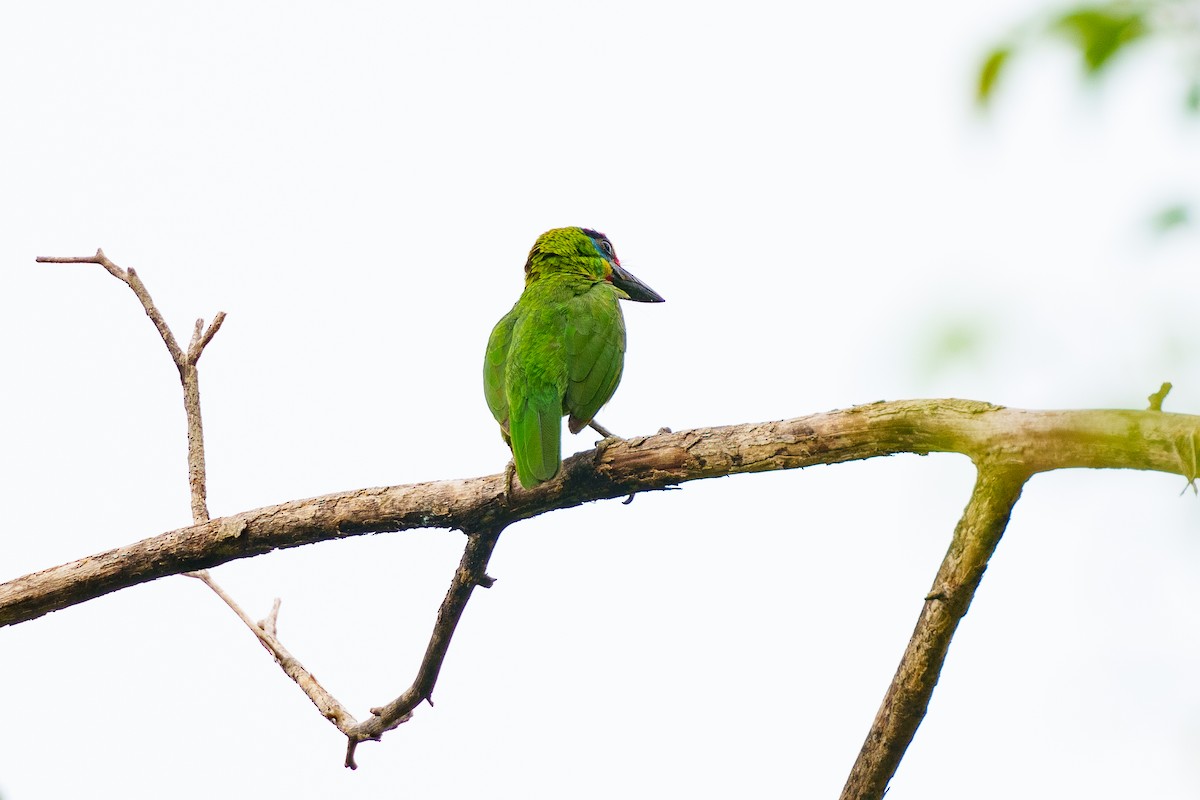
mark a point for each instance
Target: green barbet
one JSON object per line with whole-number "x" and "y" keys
{"x": 560, "y": 351}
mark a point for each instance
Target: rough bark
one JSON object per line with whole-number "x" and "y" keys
{"x": 1036, "y": 441}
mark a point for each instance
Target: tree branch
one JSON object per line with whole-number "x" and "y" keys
{"x": 1007, "y": 446}
{"x": 471, "y": 572}
{"x": 185, "y": 363}
{"x": 907, "y": 698}
{"x": 189, "y": 376}
{"x": 201, "y": 340}
{"x": 1036, "y": 441}
{"x": 329, "y": 707}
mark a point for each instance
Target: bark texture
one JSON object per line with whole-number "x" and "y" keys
{"x": 1034, "y": 441}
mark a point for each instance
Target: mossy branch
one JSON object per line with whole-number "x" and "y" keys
{"x": 975, "y": 538}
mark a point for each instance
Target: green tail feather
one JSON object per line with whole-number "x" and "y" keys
{"x": 536, "y": 430}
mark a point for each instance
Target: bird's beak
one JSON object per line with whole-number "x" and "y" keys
{"x": 631, "y": 286}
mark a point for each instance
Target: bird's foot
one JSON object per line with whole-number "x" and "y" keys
{"x": 603, "y": 445}
{"x": 510, "y": 469}
{"x": 603, "y": 431}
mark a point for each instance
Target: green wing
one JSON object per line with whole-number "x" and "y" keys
{"x": 595, "y": 347}
{"x": 494, "y": 367}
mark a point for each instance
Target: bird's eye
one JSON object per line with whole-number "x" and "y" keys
{"x": 606, "y": 245}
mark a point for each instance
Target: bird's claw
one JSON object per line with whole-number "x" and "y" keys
{"x": 510, "y": 469}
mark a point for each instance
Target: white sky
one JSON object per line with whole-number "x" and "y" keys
{"x": 357, "y": 185}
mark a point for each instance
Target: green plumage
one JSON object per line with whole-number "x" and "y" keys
{"x": 560, "y": 351}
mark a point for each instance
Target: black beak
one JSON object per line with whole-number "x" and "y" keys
{"x": 631, "y": 286}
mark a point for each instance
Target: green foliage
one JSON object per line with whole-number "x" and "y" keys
{"x": 990, "y": 71}
{"x": 953, "y": 342}
{"x": 1101, "y": 32}
{"x": 1193, "y": 96}
{"x": 1173, "y": 216}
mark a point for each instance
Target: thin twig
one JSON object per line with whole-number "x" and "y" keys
{"x": 189, "y": 377}
{"x": 329, "y": 707}
{"x": 472, "y": 572}
{"x": 156, "y": 317}
{"x": 200, "y": 341}
{"x": 269, "y": 624}
{"x": 997, "y": 489}
{"x": 130, "y": 279}
{"x": 1009, "y": 445}
{"x": 185, "y": 363}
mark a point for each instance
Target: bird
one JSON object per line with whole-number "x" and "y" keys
{"x": 560, "y": 350}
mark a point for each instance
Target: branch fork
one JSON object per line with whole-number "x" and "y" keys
{"x": 1006, "y": 445}
{"x": 471, "y": 571}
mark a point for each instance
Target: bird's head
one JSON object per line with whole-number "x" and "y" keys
{"x": 587, "y": 253}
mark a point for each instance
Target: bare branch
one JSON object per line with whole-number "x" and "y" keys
{"x": 184, "y": 363}
{"x": 130, "y": 279}
{"x": 329, "y": 707}
{"x": 197, "y": 476}
{"x": 197, "y": 332}
{"x": 189, "y": 377}
{"x": 272, "y": 619}
{"x": 1008, "y": 446}
{"x": 199, "y": 340}
{"x": 907, "y": 699}
{"x": 1034, "y": 440}
{"x": 156, "y": 317}
{"x": 472, "y": 572}
{"x": 98, "y": 258}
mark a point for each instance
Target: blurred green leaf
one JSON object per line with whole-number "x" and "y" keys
{"x": 1101, "y": 32}
{"x": 1193, "y": 96}
{"x": 990, "y": 71}
{"x": 1171, "y": 217}
{"x": 952, "y": 342}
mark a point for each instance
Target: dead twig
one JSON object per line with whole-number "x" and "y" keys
{"x": 1007, "y": 446}
{"x": 185, "y": 363}
{"x": 189, "y": 377}
{"x": 272, "y": 619}
{"x": 471, "y": 572}
{"x": 329, "y": 707}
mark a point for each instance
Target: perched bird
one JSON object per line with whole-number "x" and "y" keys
{"x": 560, "y": 351}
